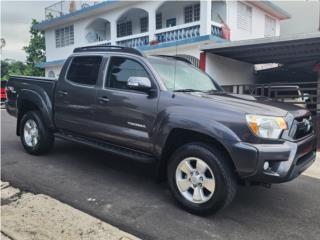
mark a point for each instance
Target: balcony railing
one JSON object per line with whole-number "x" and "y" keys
{"x": 216, "y": 30}
{"x": 176, "y": 33}
{"x": 65, "y": 7}
{"x": 102, "y": 43}
{"x": 137, "y": 40}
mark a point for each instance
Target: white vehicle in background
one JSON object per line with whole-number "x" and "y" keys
{"x": 283, "y": 93}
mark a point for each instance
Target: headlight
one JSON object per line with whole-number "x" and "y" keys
{"x": 265, "y": 126}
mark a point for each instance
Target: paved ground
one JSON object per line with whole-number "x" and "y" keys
{"x": 26, "y": 216}
{"x": 126, "y": 196}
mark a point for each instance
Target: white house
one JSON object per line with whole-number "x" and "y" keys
{"x": 154, "y": 27}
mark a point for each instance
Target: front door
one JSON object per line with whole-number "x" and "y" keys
{"x": 123, "y": 116}
{"x": 76, "y": 93}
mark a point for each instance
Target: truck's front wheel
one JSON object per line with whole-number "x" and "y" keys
{"x": 200, "y": 178}
{"x": 36, "y": 138}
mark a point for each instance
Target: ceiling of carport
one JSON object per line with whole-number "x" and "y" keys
{"x": 284, "y": 50}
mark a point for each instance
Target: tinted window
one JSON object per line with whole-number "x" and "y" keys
{"x": 121, "y": 69}
{"x": 84, "y": 70}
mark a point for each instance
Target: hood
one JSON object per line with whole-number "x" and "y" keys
{"x": 251, "y": 105}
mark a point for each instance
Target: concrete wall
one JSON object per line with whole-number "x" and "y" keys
{"x": 56, "y": 69}
{"x": 219, "y": 8}
{"x": 305, "y": 16}
{"x": 174, "y": 9}
{"x": 228, "y": 71}
{"x": 258, "y": 23}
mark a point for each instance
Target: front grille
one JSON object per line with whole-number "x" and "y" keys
{"x": 301, "y": 127}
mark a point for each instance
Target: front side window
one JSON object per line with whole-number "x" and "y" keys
{"x": 124, "y": 29}
{"x": 177, "y": 75}
{"x": 120, "y": 69}
{"x": 64, "y": 36}
{"x": 84, "y": 70}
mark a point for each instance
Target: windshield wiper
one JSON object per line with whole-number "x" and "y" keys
{"x": 187, "y": 90}
{"x": 213, "y": 91}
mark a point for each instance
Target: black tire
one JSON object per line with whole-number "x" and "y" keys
{"x": 46, "y": 138}
{"x": 225, "y": 180}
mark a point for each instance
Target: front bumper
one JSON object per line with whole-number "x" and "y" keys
{"x": 286, "y": 161}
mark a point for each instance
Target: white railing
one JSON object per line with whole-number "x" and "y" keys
{"x": 105, "y": 42}
{"x": 180, "y": 32}
{"x": 136, "y": 40}
{"x": 216, "y": 29}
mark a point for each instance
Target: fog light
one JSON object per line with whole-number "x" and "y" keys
{"x": 266, "y": 165}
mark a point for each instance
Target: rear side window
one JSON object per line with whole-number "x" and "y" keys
{"x": 120, "y": 69}
{"x": 84, "y": 70}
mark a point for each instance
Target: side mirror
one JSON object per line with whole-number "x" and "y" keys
{"x": 139, "y": 83}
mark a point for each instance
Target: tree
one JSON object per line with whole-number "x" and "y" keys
{"x": 11, "y": 67}
{"x": 35, "y": 51}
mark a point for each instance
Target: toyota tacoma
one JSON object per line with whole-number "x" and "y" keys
{"x": 163, "y": 110}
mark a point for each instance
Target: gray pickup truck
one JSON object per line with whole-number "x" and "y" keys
{"x": 162, "y": 110}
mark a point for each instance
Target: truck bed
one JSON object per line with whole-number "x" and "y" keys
{"x": 18, "y": 85}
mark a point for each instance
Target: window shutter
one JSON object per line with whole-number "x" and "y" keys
{"x": 244, "y": 17}
{"x": 270, "y": 26}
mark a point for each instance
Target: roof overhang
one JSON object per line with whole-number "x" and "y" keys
{"x": 272, "y": 9}
{"x": 290, "y": 49}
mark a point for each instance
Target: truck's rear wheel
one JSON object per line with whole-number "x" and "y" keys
{"x": 200, "y": 178}
{"x": 36, "y": 138}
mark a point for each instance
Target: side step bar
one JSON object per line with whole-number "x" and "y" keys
{"x": 108, "y": 147}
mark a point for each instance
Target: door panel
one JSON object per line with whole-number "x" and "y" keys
{"x": 127, "y": 117}
{"x": 76, "y": 94}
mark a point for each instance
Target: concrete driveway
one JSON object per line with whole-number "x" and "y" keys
{"x": 127, "y": 197}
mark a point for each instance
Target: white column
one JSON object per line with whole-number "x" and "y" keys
{"x": 205, "y": 17}
{"x": 113, "y": 32}
{"x": 152, "y": 24}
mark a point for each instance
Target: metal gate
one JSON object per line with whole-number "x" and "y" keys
{"x": 300, "y": 93}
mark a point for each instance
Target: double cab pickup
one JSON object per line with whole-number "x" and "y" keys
{"x": 164, "y": 111}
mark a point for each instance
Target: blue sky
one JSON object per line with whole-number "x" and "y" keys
{"x": 15, "y": 23}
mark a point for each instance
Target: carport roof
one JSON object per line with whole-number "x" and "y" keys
{"x": 284, "y": 50}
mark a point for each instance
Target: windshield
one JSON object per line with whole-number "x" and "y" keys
{"x": 180, "y": 76}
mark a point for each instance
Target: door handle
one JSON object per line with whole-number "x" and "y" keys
{"x": 62, "y": 93}
{"x": 103, "y": 99}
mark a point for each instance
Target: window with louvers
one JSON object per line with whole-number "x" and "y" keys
{"x": 270, "y": 26}
{"x": 244, "y": 17}
{"x": 64, "y": 36}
